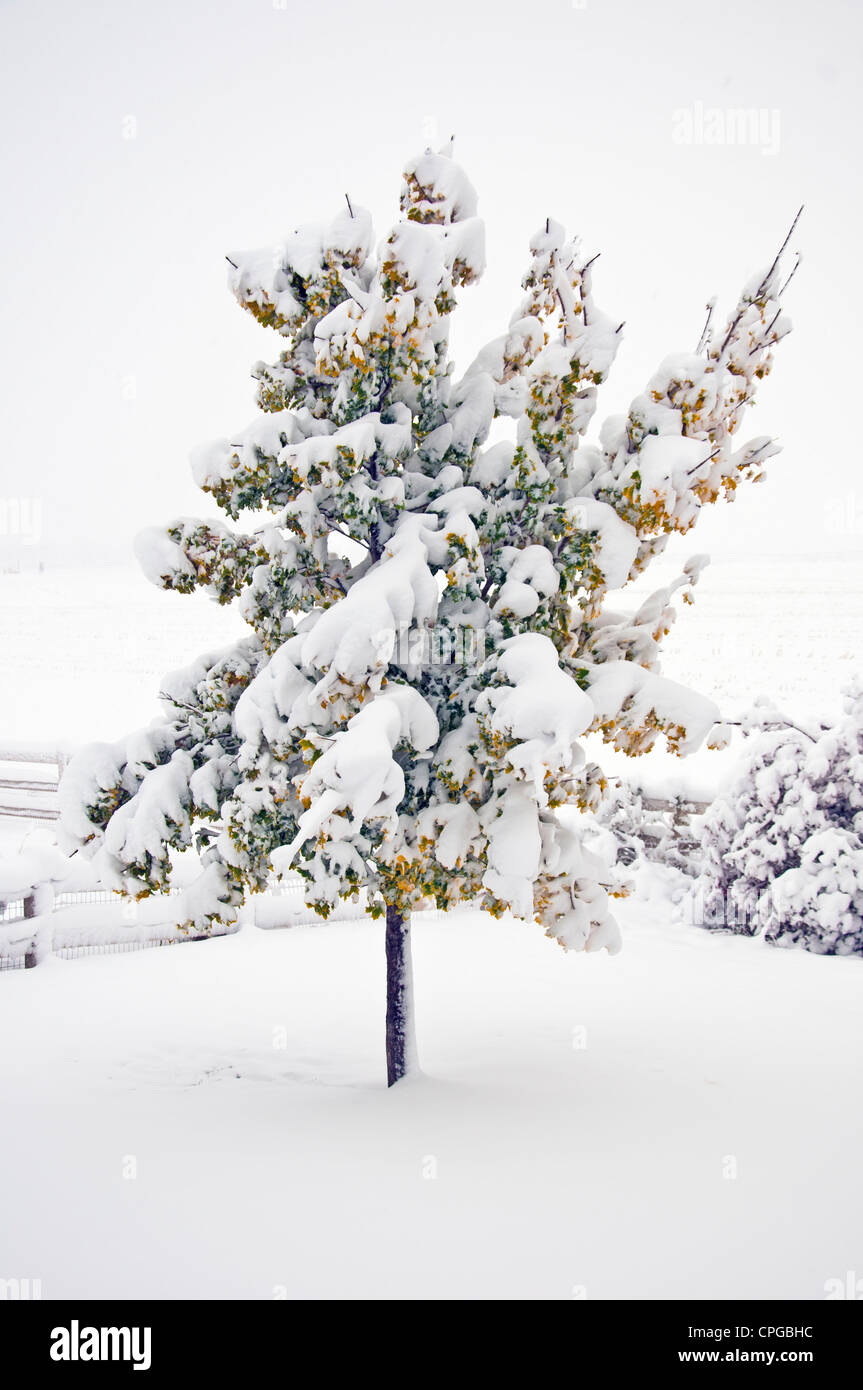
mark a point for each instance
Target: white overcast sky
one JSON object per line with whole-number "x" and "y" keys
{"x": 122, "y": 347}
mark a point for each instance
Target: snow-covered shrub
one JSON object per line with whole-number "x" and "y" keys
{"x": 644, "y": 829}
{"x": 430, "y": 637}
{"x": 783, "y": 845}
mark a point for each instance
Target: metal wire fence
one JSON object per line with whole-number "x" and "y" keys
{"x": 20, "y": 952}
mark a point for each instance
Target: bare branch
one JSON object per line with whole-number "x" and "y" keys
{"x": 738, "y": 316}
{"x": 791, "y": 276}
{"x": 778, "y": 255}
{"x": 710, "y": 306}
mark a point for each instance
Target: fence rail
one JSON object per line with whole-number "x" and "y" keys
{"x": 681, "y": 806}
{"x": 30, "y": 812}
{"x": 11, "y": 781}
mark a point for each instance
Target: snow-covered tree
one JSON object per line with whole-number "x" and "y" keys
{"x": 783, "y": 844}
{"x": 430, "y": 638}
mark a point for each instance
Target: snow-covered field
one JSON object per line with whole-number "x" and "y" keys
{"x": 677, "y": 1121}
{"x": 211, "y": 1120}
{"x": 89, "y": 648}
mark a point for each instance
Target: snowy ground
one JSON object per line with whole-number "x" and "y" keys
{"x": 578, "y": 1127}
{"x": 581, "y": 1120}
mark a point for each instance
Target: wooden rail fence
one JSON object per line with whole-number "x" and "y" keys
{"x": 17, "y": 789}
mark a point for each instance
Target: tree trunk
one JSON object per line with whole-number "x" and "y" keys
{"x": 401, "y": 1042}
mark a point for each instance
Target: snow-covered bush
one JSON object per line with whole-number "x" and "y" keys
{"x": 430, "y": 636}
{"x": 783, "y": 845}
{"x": 650, "y": 827}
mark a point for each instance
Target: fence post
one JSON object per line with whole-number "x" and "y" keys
{"x": 30, "y": 911}
{"x": 39, "y": 902}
